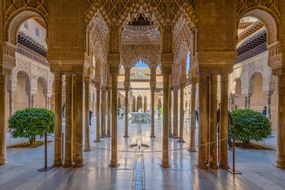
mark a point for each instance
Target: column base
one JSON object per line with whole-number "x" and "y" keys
{"x": 165, "y": 165}
{"x": 87, "y": 148}
{"x": 203, "y": 167}
{"x": 181, "y": 141}
{"x": 79, "y": 164}
{"x": 126, "y": 136}
{"x": 170, "y": 135}
{"x": 175, "y": 136}
{"x": 114, "y": 164}
{"x": 97, "y": 141}
{"x": 57, "y": 163}
{"x": 224, "y": 167}
{"x": 152, "y": 136}
{"x": 3, "y": 160}
{"x": 280, "y": 164}
{"x": 67, "y": 164}
{"x": 192, "y": 149}
{"x": 214, "y": 166}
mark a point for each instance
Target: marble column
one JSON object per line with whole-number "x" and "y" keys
{"x": 97, "y": 85}
{"x": 103, "y": 110}
{"x": 47, "y": 102}
{"x": 127, "y": 88}
{"x": 203, "y": 121}
{"x": 2, "y": 118}
{"x": 152, "y": 90}
{"x": 280, "y": 163}
{"x": 58, "y": 120}
{"x": 114, "y": 159}
{"x": 247, "y": 101}
{"x": 268, "y": 105}
{"x": 68, "y": 120}
{"x": 193, "y": 117}
{"x": 74, "y": 117}
{"x": 170, "y": 113}
{"x": 109, "y": 116}
{"x": 224, "y": 122}
{"x": 11, "y": 96}
{"x": 31, "y": 100}
{"x": 175, "y": 113}
{"x": 87, "y": 115}
{"x": 79, "y": 162}
{"x": 181, "y": 124}
{"x": 152, "y": 135}
{"x": 213, "y": 122}
{"x": 165, "y": 155}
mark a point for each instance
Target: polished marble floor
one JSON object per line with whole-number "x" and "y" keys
{"x": 139, "y": 168}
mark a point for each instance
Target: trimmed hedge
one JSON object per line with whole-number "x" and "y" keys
{"x": 250, "y": 125}
{"x": 31, "y": 122}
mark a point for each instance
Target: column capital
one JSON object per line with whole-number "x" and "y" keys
{"x": 9, "y": 57}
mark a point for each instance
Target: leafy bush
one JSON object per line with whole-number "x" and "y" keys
{"x": 250, "y": 125}
{"x": 31, "y": 122}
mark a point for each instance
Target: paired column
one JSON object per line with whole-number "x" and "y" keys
{"x": 103, "y": 110}
{"x": 175, "y": 113}
{"x": 79, "y": 120}
{"x": 68, "y": 120}
{"x": 193, "y": 115}
{"x": 109, "y": 116}
{"x": 213, "y": 122}
{"x": 114, "y": 159}
{"x": 224, "y": 122}
{"x": 2, "y": 119}
{"x": 268, "y": 105}
{"x": 165, "y": 156}
{"x": 203, "y": 121}
{"x": 247, "y": 101}
{"x": 97, "y": 85}
{"x": 74, "y": 118}
{"x": 152, "y": 89}
{"x": 170, "y": 113}
{"x": 127, "y": 87}
{"x": 58, "y": 120}
{"x": 280, "y": 163}
{"x": 88, "y": 117}
{"x": 181, "y": 125}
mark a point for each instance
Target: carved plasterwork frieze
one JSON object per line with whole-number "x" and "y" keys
{"x": 244, "y": 5}
{"x": 148, "y": 53}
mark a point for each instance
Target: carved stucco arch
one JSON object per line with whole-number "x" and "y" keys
{"x": 131, "y": 12}
{"x": 182, "y": 44}
{"x": 132, "y": 53}
{"x": 44, "y": 83}
{"x": 16, "y": 20}
{"x": 268, "y": 18}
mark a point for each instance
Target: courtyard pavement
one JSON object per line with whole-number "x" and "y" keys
{"x": 139, "y": 168}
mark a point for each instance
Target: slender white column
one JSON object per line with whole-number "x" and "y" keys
{"x": 181, "y": 125}
{"x": 193, "y": 115}
{"x": 97, "y": 112}
{"x": 224, "y": 122}
{"x": 2, "y": 119}
{"x": 58, "y": 120}
{"x": 87, "y": 115}
{"x": 68, "y": 120}
{"x": 79, "y": 162}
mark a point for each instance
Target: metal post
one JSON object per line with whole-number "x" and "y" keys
{"x": 45, "y": 168}
{"x": 45, "y": 151}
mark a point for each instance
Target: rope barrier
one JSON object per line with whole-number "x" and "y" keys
{"x": 145, "y": 151}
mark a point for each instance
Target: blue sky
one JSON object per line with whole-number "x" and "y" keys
{"x": 141, "y": 64}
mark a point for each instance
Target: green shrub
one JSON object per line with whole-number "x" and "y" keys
{"x": 250, "y": 125}
{"x": 31, "y": 122}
